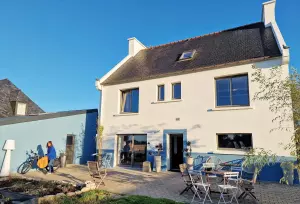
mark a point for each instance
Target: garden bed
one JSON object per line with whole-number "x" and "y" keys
{"x": 19, "y": 189}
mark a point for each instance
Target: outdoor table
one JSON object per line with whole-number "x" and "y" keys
{"x": 230, "y": 165}
{"x": 214, "y": 172}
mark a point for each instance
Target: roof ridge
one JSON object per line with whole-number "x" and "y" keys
{"x": 200, "y": 36}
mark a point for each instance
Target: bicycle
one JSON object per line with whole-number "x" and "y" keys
{"x": 34, "y": 157}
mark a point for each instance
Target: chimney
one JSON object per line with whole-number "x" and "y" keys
{"x": 134, "y": 46}
{"x": 268, "y": 13}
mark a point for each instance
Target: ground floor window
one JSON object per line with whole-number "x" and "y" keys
{"x": 235, "y": 141}
{"x": 132, "y": 150}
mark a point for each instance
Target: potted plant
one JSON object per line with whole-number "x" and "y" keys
{"x": 189, "y": 158}
{"x": 63, "y": 158}
{"x": 288, "y": 172}
{"x": 257, "y": 159}
{"x": 157, "y": 157}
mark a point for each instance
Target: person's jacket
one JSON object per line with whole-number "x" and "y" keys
{"x": 51, "y": 153}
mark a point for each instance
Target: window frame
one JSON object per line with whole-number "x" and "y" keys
{"x": 121, "y": 100}
{"x": 179, "y": 82}
{"x": 231, "y": 76}
{"x": 182, "y": 54}
{"x": 158, "y": 92}
{"x": 235, "y": 149}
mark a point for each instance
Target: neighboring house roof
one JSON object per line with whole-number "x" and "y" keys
{"x": 23, "y": 119}
{"x": 229, "y": 47}
{"x": 9, "y": 94}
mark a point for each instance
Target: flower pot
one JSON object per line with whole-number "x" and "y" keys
{"x": 63, "y": 159}
{"x": 190, "y": 163}
{"x": 157, "y": 162}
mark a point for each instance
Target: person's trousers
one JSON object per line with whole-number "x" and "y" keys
{"x": 51, "y": 164}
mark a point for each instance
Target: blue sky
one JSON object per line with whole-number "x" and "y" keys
{"x": 55, "y": 49}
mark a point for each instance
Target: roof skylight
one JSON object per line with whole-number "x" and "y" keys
{"x": 187, "y": 55}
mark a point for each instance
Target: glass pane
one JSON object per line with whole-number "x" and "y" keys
{"x": 236, "y": 141}
{"x": 187, "y": 55}
{"x": 223, "y": 92}
{"x": 177, "y": 91}
{"x": 140, "y": 149}
{"x": 240, "y": 92}
{"x": 126, "y": 150}
{"x": 127, "y": 98}
{"x": 161, "y": 92}
{"x": 135, "y": 100}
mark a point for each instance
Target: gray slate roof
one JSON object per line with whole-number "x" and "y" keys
{"x": 237, "y": 45}
{"x": 45, "y": 116}
{"x": 9, "y": 93}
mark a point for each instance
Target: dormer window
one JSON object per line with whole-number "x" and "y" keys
{"x": 20, "y": 108}
{"x": 187, "y": 55}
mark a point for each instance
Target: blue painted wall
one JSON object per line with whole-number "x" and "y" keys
{"x": 35, "y": 134}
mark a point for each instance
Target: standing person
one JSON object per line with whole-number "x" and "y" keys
{"x": 126, "y": 150}
{"x": 51, "y": 153}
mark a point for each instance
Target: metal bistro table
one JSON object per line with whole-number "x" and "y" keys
{"x": 219, "y": 174}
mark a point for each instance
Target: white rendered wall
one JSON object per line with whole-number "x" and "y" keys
{"x": 198, "y": 95}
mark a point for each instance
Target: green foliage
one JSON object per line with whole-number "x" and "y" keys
{"x": 288, "y": 172}
{"x": 282, "y": 91}
{"x": 95, "y": 195}
{"x": 257, "y": 158}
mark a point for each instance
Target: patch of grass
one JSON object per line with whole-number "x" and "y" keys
{"x": 141, "y": 199}
{"x": 104, "y": 197}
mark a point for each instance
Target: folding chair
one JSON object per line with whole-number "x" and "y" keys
{"x": 96, "y": 172}
{"x": 106, "y": 160}
{"x": 196, "y": 186}
{"x": 216, "y": 160}
{"x": 185, "y": 178}
{"x": 227, "y": 186}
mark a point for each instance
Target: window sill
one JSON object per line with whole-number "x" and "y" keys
{"x": 171, "y": 101}
{"x": 125, "y": 114}
{"x": 230, "y": 108}
{"x": 230, "y": 151}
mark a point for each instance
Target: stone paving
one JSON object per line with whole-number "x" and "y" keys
{"x": 164, "y": 185}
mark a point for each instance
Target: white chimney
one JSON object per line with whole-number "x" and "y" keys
{"x": 134, "y": 46}
{"x": 268, "y": 13}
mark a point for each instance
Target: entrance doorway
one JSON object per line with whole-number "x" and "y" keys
{"x": 132, "y": 150}
{"x": 176, "y": 151}
{"x": 70, "y": 149}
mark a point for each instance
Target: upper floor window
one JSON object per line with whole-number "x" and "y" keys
{"x": 187, "y": 55}
{"x": 234, "y": 141}
{"x": 161, "y": 93}
{"x": 130, "y": 101}
{"x": 176, "y": 91}
{"x": 232, "y": 91}
{"x": 20, "y": 108}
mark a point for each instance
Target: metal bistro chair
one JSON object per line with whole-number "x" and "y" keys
{"x": 230, "y": 184}
{"x": 185, "y": 178}
{"x": 96, "y": 172}
{"x": 107, "y": 160}
{"x": 197, "y": 185}
{"x": 216, "y": 160}
{"x": 199, "y": 161}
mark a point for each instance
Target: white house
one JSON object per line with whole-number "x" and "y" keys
{"x": 198, "y": 90}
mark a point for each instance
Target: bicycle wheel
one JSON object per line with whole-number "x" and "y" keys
{"x": 25, "y": 167}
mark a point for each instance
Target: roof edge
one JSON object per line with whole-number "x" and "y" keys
{"x": 45, "y": 116}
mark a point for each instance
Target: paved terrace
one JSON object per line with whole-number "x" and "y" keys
{"x": 165, "y": 185}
